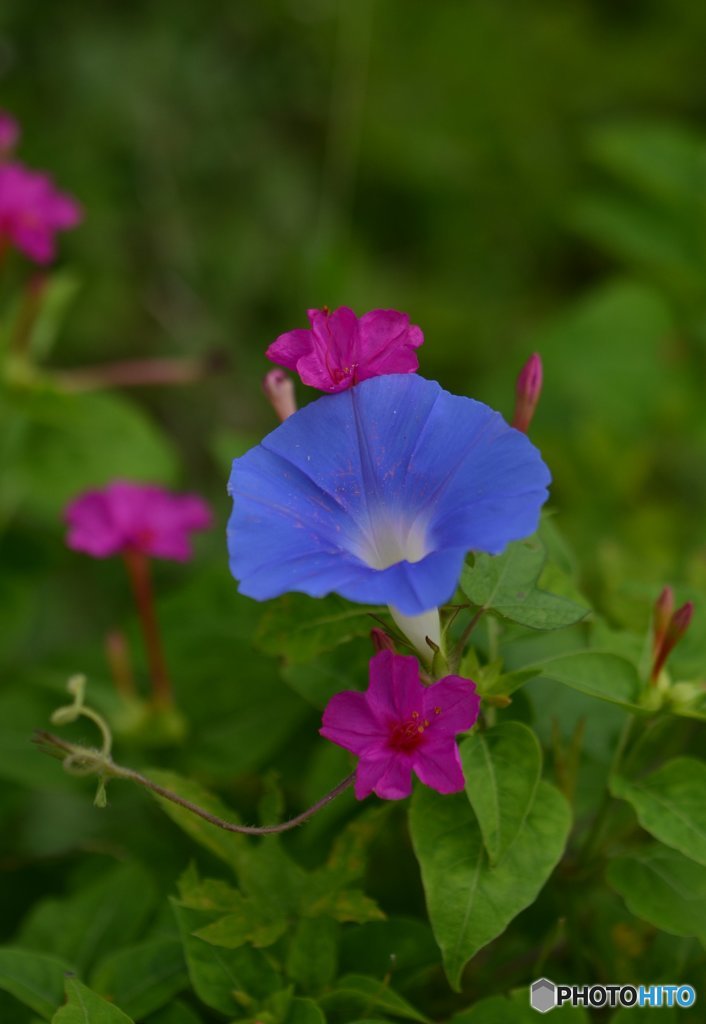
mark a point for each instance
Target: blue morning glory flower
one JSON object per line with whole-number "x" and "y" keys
{"x": 378, "y": 493}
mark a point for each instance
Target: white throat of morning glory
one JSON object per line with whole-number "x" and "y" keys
{"x": 389, "y": 542}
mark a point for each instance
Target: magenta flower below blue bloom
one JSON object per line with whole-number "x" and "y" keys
{"x": 398, "y": 726}
{"x": 378, "y": 493}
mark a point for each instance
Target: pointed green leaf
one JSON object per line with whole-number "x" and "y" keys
{"x": 507, "y": 584}
{"x": 304, "y": 1011}
{"x": 312, "y": 958}
{"x": 102, "y": 916}
{"x": 671, "y": 804}
{"x": 471, "y": 902}
{"x": 143, "y": 978}
{"x": 33, "y": 978}
{"x": 85, "y": 1007}
{"x": 356, "y": 993}
{"x": 597, "y": 673}
{"x": 502, "y": 767}
{"x": 663, "y": 887}
{"x": 229, "y": 980}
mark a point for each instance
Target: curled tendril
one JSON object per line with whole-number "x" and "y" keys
{"x": 83, "y": 761}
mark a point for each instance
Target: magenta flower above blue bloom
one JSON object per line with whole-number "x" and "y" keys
{"x": 340, "y": 349}
{"x": 378, "y": 493}
{"x": 398, "y": 726}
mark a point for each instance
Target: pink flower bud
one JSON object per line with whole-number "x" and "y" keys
{"x": 382, "y": 641}
{"x": 664, "y": 609}
{"x": 279, "y": 391}
{"x": 528, "y": 390}
{"x": 678, "y": 625}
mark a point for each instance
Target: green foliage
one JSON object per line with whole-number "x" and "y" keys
{"x": 663, "y": 887}
{"x": 669, "y": 804}
{"x": 58, "y": 444}
{"x": 85, "y": 1007}
{"x": 471, "y": 901}
{"x": 502, "y": 768}
{"x": 507, "y": 585}
{"x": 515, "y": 1010}
{"x": 142, "y": 978}
{"x": 35, "y": 979}
{"x": 100, "y": 917}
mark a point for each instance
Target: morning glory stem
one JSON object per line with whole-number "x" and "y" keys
{"x": 85, "y": 761}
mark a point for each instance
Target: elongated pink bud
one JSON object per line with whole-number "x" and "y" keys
{"x": 664, "y": 609}
{"x": 382, "y": 641}
{"x": 678, "y": 625}
{"x": 279, "y": 391}
{"x": 528, "y": 390}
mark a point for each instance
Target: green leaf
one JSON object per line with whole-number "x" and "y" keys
{"x": 233, "y": 930}
{"x": 663, "y": 887}
{"x": 597, "y": 673}
{"x": 515, "y": 1010}
{"x": 469, "y": 901}
{"x": 35, "y": 979}
{"x": 502, "y": 767}
{"x": 298, "y": 628}
{"x": 229, "y": 846}
{"x": 142, "y": 978}
{"x": 85, "y": 1007}
{"x": 671, "y": 804}
{"x": 228, "y": 980}
{"x": 304, "y": 1011}
{"x": 356, "y": 993}
{"x": 103, "y": 916}
{"x": 71, "y": 442}
{"x": 507, "y": 584}
{"x": 175, "y": 1013}
{"x": 312, "y": 958}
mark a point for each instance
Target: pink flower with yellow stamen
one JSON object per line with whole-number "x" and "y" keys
{"x": 399, "y": 726}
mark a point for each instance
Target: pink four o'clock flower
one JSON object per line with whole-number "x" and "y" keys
{"x": 32, "y": 211}
{"x": 399, "y": 726}
{"x": 341, "y": 349}
{"x": 131, "y": 517}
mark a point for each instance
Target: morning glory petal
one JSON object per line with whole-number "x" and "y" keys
{"x": 378, "y": 492}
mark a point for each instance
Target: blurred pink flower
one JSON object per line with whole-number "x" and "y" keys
{"x": 32, "y": 211}
{"x": 9, "y": 133}
{"x": 341, "y": 349}
{"x": 130, "y": 517}
{"x": 399, "y": 726}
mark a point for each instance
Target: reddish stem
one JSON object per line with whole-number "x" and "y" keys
{"x": 139, "y": 571}
{"x": 132, "y": 373}
{"x": 118, "y": 654}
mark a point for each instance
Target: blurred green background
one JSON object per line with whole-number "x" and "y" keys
{"x": 517, "y": 175}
